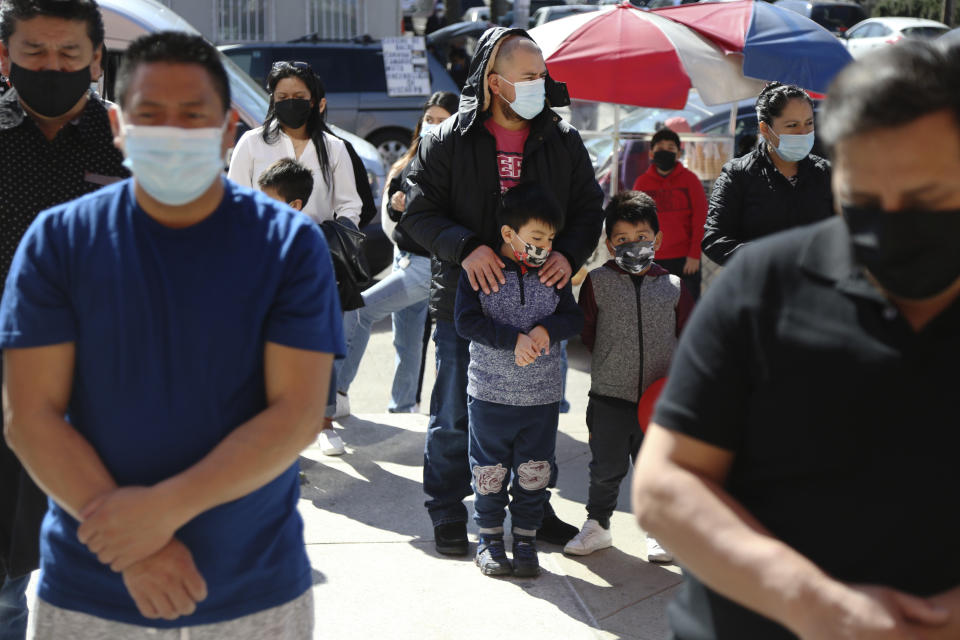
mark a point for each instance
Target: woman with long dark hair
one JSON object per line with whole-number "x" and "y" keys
{"x": 295, "y": 127}
{"x": 403, "y": 294}
{"x": 778, "y": 186}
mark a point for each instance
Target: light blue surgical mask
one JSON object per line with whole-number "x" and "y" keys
{"x": 175, "y": 166}
{"x": 427, "y": 128}
{"x": 529, "y": 99}
{"x": 794, "y": 147}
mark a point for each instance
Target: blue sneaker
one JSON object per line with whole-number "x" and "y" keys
{"x": 492, "y": 556}
{"x": 526, "y": 563}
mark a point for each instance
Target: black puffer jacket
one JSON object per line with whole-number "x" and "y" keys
{"x": 752, "y": 199}
{"x": 455, "y": 186}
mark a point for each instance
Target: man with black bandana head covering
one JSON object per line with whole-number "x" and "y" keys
{"x": 505, "y": 133}
{"x": 55, "y": 145}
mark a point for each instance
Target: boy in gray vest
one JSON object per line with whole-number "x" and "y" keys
{"x": 633, "y": 313}
{"x": 514, "y": 380}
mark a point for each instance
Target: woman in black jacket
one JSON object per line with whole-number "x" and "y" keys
{"x": 777, "y": 186}
{"x": 404, "y": 293}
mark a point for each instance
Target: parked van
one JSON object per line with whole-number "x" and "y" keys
{"x": 126, "y": 20}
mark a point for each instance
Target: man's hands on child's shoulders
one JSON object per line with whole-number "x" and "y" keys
{"x": 531, "y": 346}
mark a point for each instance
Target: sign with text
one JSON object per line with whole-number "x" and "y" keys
{"x": 405, "y": 63}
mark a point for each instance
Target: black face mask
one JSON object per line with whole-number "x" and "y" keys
{"x": 50, "y": 93}
{"x": 912, "y": 254}
{"x": 664, "y": 160}
{"x": 293, "y": 112}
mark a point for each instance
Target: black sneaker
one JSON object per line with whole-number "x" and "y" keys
{"x": 526, "y": 564}
{"x": 556, "y": 531}
{"x": 451, "y": 539}
{"x": 492, "y": 556}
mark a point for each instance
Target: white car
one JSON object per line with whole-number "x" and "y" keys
{"x": 879, "y": 32}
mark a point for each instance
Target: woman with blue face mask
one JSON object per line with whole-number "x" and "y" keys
{"x": 779, "y": 185}
{"x": 403, "y": 294}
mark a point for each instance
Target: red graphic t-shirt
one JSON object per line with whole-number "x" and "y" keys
{"x": 509, "y": 152}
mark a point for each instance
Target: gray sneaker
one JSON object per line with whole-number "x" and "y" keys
{"x": 492, "y": 556}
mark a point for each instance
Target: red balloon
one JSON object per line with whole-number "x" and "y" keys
{"x": 647, "y": 402}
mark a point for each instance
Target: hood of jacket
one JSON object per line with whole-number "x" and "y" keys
{"x": 678, "y": 174}
{"x": 475, "y": 96}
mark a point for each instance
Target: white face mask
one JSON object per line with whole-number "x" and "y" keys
{"x": 174, "y": 165}
{"x": 794, "y": 147}
{"x": 427, "y": 128}
{"x": 529, "y": 99}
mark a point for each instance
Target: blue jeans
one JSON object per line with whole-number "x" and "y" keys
{"x": 446, "y": 468}
{"x": 564, "y": 365}
{"x": 514, "y": 445}
{"x": 13, "y": 608}
{"x": 403, "y": 294}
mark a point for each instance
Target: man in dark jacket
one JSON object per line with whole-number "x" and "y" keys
{"x": 503, "y": 134}
{"x": 57, "y": 145}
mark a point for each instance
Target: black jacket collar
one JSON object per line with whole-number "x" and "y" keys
{"x": 828, "y": 254}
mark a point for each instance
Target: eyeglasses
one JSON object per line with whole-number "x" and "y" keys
{"x": 296, "y": 65}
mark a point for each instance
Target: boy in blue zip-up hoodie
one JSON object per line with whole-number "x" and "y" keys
{"x": 514, "y": 380}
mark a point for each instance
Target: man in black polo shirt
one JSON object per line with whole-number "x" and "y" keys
{"x": 55, "y": 145}
{"x": 803, "y": 465}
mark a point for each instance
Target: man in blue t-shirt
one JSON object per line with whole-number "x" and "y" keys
{"x": 168, "y": 343}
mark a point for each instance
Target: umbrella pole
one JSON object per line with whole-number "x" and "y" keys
{"x": 733, "y": 118}
{"x": 615, "y": 175}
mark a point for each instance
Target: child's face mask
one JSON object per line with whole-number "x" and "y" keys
{"x": 532, "y": 256}
{"x": 634, "y": 257}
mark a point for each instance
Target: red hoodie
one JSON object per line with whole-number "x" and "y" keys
{"x": 681, "y": 208}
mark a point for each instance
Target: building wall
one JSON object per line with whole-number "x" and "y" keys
{"x": 288, "y": 19}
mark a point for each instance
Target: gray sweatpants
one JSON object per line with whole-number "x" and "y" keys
{"x": 290, "y": 621}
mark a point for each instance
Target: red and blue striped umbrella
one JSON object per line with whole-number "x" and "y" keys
{"x": 776, "y": 43}
{"x": 625, "y": 55}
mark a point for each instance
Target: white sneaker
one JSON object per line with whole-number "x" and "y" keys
{"x": 343, "y": 406}
{"x": 656, "y": 552}
{"x": 592, "y": 537}
{"x": 330, "y": 443}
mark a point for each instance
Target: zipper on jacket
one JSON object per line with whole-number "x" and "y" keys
{"x": 522, "y": 299}
{"x": 638, "y": 288}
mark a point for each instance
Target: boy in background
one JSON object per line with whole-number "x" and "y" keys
{"x": 633, "y": 313}
{"x": 514, "y": 380}
{"x": 288, "y": 181}
{"x": 681, "y": 206}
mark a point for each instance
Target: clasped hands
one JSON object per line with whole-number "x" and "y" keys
{"x": 531, "y": 346}
{"x": 131, "y": 529}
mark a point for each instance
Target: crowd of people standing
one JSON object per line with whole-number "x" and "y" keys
{"x": 143, "y": 287}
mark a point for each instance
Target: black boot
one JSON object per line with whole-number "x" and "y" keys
{"x": 556, "y": 531}
{"x": 451, "y": 539}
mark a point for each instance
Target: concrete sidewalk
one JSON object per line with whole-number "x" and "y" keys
{"x": 371, "y": 542}
{"x": 377, "y": 574}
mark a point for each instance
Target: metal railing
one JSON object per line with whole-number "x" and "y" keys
{"x": 244, "y": 20}
{"x": 336, "y": 19}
